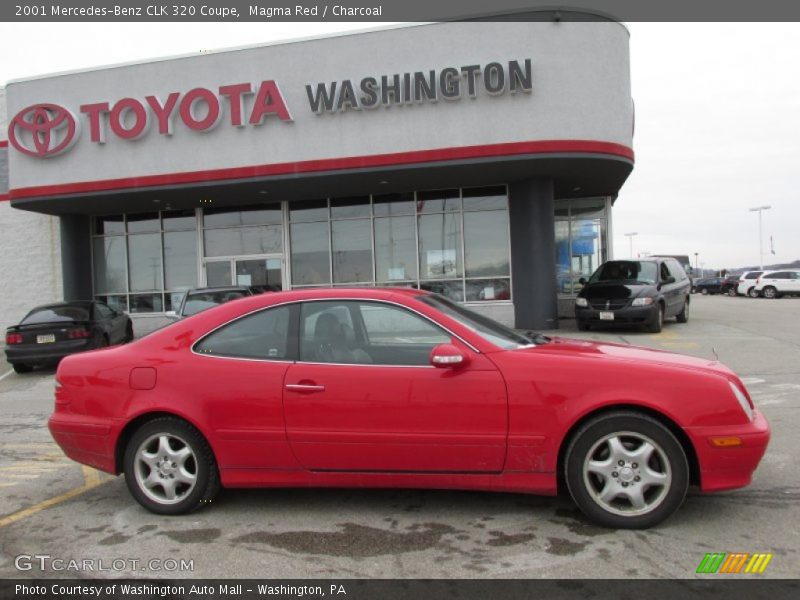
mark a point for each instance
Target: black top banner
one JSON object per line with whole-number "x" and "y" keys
{"x": 374, "y": 11}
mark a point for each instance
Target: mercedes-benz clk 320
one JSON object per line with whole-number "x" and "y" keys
{"x": 402, "y": 388}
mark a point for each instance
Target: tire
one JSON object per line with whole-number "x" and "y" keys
{"x": 769, "y": 292}
{"x": 704, "y": 291}
{"x": 657, "y": 325}
{"x": 20, "y": 368}
{"x": 623, "y": 436}
{"x": 683, "y": 316}
{"x": 583, "y": 326}
{"x": 732, "y": 292}
{"x": 157, "y": 455}
{"x": 752, "y": 292}
{"x": 128, "y": 334}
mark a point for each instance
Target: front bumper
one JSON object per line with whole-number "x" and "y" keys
{"x": 730, "y": 467}
{"x": 627, "y": 315}
{"x": 86, "y": 440}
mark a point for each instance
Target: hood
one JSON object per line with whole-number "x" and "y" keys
{"x": 615, "y": 291}
{"x": 626, "y": 353}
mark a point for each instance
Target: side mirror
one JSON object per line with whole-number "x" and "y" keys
{"x": 171, "y": 314}
{"x": 446, "y": 356}
{"x": 582, "y": 280}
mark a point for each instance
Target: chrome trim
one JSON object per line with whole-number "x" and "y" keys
{"x": 301, "y": 387}
{"x": 335, "y": 299}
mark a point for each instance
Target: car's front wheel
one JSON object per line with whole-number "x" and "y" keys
{"x": 170, "y": 468}
{"x": 752, "y": 292}
{"x": 732, "y": 292}
{"x": 683, "y": 316}
{"x": 626, "y": 470}
{"x": 658, "y": 323}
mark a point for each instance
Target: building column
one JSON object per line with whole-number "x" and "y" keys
{"x": 76, "y": 257}
{"x": 533, "y": 254}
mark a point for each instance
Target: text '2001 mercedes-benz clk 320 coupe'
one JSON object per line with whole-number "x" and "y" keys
{"x": 402, "y": 388}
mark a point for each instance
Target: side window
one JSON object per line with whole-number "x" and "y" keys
{"x": 665, "y": 271}
{"x": 678, "y": 271}
{"x": 103, "y": 312}
{"x": 354, "y": 332}
{"x": 263, "y": 335}
{"x": 780, "y": 275}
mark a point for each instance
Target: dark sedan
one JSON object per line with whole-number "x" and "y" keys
{"x": 51, "y": 332}
{"x": 635, "y": 293}
{"x": 710, "y": 285}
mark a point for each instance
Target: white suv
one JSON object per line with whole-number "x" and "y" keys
{"x": 773, "y": 284}
{"x": 747, "y": 284}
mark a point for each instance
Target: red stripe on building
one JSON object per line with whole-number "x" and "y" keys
{"x": 333, "y": 164}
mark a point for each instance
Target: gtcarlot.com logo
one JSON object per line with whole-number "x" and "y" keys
{"x": 734, "y": 562}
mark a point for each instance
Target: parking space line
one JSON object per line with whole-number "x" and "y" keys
{"x": 4, "y": 375}
{"x": 91, "y": 479}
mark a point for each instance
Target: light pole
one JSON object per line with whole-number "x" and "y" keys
{"x": 759, "y": 210}
{"x": 696, "y": 254}
{"x": 630, "y": 240}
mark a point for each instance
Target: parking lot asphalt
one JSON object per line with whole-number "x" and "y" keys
{"x": 52, "y": 506}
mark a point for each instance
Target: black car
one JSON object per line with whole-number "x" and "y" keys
{"x": 200, "y": 299}
{"x": 711, "y": 285}
{"x": 635, "y": 293}
{"x": 49, "y": 333}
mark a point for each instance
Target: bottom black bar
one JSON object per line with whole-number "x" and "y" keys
{"x": 719, "y": 588}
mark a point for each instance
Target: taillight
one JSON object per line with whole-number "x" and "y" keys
{"x": 13, "y": 338}
{"x": 79, "y": 334}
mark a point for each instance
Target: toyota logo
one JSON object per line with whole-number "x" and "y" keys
{"x": 43, "y": 130}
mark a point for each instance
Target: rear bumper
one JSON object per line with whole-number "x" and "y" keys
{"x": 33, "y": 354}
{"x": 86, "y": 440}
{"x": 732, "y": 467}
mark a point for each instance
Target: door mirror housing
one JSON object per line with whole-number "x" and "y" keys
{"x": 448, "y": 356}
{"x": 171, "y": 314}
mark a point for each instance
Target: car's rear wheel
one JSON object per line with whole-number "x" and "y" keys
{"x": 769, "y": 292}
{"x": 626, "y": 470}
{"x": 658, "y": 323}
{"x": 752, "y": 292}
{"x": 683, "y": 316}
{"x": 20, "y": 368}
{"x": 704, "y": 291}
{"x": 732, "y": 292}
{"x": 170, "y": 468}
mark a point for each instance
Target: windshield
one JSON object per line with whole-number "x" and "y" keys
{"x": 200, "y": 301}
{"x": 56, "y": 314}
{"x": 630, "y": 272}
{"x": 488, "y": 329}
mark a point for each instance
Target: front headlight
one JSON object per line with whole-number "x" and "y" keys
{"x": 743, "y": 402}
{"x": 642, "y": 301}
{"x": 582, "y": 302}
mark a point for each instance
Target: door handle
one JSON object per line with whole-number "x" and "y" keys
{"x": 304, "y": 388}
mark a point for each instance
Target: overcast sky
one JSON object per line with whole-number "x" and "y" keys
{"x": 717, "y": 121}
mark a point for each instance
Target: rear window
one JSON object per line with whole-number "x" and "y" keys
{"x": 753, "y": 275}
{"x": 56, "y": 314}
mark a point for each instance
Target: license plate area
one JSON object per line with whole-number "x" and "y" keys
{"x": 606, "y": 315}
{"x": 48, "y": 338}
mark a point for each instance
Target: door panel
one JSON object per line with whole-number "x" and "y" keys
{"x": 372, "y": 418}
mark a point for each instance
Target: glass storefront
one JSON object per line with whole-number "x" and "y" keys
{"x": 581, "y": 240}
{"x": 455, "y": 242}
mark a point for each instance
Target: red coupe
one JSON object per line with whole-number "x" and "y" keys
{"x": 402, "y": 388}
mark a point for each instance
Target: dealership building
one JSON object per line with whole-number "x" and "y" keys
{"x": 479, "y": 160}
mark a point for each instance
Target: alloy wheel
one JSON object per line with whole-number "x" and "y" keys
{"x": 165, "y": 468}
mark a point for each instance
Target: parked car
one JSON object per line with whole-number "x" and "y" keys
{"x": 634, "y": 293}
{"x": 729, "y": 285}
{"x": 197, "y": 300}
{"x": 774, "y": 284}
{"x": 402, "y": 388}
{"x": 710, "y": 285}
{"x": 50, "y": 332}
{"x": 747, "y": 283}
